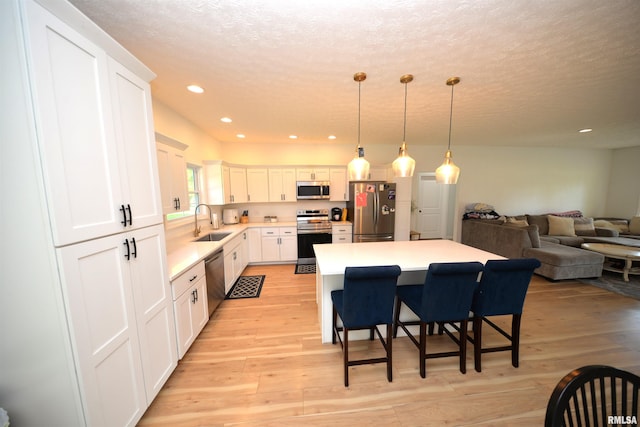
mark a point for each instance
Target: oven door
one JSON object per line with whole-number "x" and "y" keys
{"x": 306, "y": 255}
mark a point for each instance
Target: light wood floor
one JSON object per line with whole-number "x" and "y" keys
{"x": 260, "y": 362}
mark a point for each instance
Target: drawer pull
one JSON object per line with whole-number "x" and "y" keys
{"x": 193, "y": 278}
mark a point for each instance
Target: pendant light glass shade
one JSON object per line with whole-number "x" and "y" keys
{"x": 358, "y": 167}
{"x": 448, "y": 172}
{"x": 404, "y": 165}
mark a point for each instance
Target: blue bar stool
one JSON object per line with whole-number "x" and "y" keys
{"x": 365, "y": 302}
{"x": 502, "y": 291}
{"x": 445, "y": 297}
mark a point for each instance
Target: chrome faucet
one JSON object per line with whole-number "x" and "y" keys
{"x": 196, "y": 232}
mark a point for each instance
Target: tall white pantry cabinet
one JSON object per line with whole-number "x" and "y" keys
{"x": 97, "y": 340}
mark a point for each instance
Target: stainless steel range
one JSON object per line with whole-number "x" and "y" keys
{"x": 314, "y": 227}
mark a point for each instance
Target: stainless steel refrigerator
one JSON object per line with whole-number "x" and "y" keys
{"x": 372, "y": 210}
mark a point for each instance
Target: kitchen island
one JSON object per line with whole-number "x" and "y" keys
{"x": 413, "y": 257}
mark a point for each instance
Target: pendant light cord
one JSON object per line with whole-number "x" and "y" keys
{"x": 450, "y": 118}
{"x": 359, "y": 114}
{"x": 404, "y": 131}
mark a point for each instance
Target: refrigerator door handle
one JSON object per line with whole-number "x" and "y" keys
{"x": 376, "y": 207}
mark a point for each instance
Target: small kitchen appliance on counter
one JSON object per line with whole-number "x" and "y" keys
{"x": 230, "y": 216}
{"x": 336, "y": 214}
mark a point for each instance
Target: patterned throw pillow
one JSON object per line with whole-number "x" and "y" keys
{"x": 584, "y": 226}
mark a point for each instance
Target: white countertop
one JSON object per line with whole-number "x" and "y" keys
{"x": 190, "y": 253}
{"x": 412, "y": 255}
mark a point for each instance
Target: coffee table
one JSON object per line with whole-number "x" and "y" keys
{"x": 627, "y": 254}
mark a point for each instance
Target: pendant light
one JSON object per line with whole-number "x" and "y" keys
{"x": 359, "y": 167}
{"x": 404, "y": 165}
{"x": 448, "y": 172}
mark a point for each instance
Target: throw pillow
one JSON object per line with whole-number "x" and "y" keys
{"x": 584, "y": 226}
{"x": 511, "y": 220}
{"x": 561, "y": 226}
{"x": 634, "y": 225}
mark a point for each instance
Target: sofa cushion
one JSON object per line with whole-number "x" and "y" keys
{"x": 541, "y": 221}
{"x": 634, "y": 225}
{"x": 584, "y": 226}
{"x": 561, "y": 226}
{"x": 575, "y": 241}
{"x": 561, "y": 255}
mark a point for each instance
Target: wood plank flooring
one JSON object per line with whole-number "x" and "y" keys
{"x": 260, "y": 362}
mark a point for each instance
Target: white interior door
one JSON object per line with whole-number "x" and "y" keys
{"x": 431, "y": 221}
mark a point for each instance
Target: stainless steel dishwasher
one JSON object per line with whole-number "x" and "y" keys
{"x": 214, "y": 267}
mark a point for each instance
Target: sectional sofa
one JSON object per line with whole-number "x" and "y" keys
{"x": 554, "y": 240}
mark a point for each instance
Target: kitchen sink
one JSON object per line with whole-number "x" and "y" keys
{"x": 212, "y": 237}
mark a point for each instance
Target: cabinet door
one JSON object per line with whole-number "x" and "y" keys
{"x": 305, "y": 174}
{"x": 200, "y": 307}
{"x": 132, "y": 114}
{"x": 229, "y": 278}
{"x": 276, "y": 192}
{"x": 270, "y": 248}
{"x": 184, "y": 326}
{"x": 257, "y": 185}
{"x": 102, "y": 317}
{"x": 288, "y": 248}
{"x": 238, "y": 185}
{"x": 153, "y": 306}
{"x": 172, "y": 167}
{"x": 255, "y": 244}
{"x": 289, "y": 185}
{"x": 339, "y": 189}
{"x": 75, "y": 130}
{"x": 321, "y": 174}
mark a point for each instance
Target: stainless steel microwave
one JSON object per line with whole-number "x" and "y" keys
{"x": 315, "y": 190}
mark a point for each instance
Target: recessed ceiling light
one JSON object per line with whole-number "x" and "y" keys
{"x": 226, "y": 120}
{"x": 195, "y": 89}
{"x": 332, "y": 137}
{"x": 586, "y": 130}
{"x": 240, "y": 135}
{"x": 293, "y": 137}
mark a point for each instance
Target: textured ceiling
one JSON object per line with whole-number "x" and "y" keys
{"x": 532, "y": 72}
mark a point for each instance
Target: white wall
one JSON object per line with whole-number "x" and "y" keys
{"x": 623, "y": 200}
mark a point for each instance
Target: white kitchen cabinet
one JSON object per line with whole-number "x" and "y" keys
{"x": 341, "y": 233}
{"x": 254, "y": 244}
{"x": 122, "y": 322}
{"x": 279, "y": 244}
{"x": 225, "y": 184}
{"x": 282, "y": 185}
{"x": 313, "y": 174}
{"x": 237, "y": 184}
{"x": 257, "y": 185}
{"x": 189, "y": 291}
{"x": 86, "y": 134}
{"x": 235, "y": 259}
{"x": 172, "y": 168}
{"x": 339, "y": 190}
{"x": 95, "y": 134}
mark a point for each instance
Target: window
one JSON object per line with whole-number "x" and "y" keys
{"x": 194, "y": 185}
